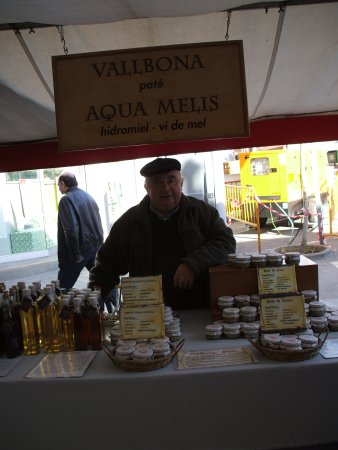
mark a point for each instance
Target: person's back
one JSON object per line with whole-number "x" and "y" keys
{"x": 80, "y": 232}
{"x": 79, "y": 224}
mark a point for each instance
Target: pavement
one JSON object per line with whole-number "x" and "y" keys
{"x": 272, "y": 237}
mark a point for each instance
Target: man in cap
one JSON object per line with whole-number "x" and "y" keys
{"x": 167, "y": 233}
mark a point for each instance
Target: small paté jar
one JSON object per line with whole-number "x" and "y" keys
{"x": 242, "y": 300}
{"x": 317, "y": 309}
{"x": 290, "y": 343}
{"x": 258, "y": 259}
{"x": 308, "y": 341}
{"x": 309, "y": 295}
{"x": 232, "y": 259}
{"x": 125, "y": 351}
{"x": 213, "y": 331}
{"x": 274, "y": 259}
{"x": 230, "y": 315}
{"x": 292, "y": 258}
{"x": 225, "y": 301}
{"x": 319, "y": 324}
{"x": 250, "y": 330}
{"x": 333, "y": 322}
{"x": 255, "y": 300}
{"x": 248, "y": 313}
{"x": 242, "y": 261}
{"x": 231, "y": 330}
{"x": 271, "y": 340}
{"x": 143, "y": 354}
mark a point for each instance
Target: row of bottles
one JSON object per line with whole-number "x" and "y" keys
{"x": 35, "y": 319}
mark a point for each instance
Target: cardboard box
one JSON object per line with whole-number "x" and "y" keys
{"x": 226, "y": 280}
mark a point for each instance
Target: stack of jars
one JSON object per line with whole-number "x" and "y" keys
{"x": 35, "y": 319}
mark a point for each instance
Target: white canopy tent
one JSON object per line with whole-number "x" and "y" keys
{"x": 290, "y": 52}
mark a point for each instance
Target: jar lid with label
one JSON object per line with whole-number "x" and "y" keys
{"x": 213, "y": 331}
{"x": 231, "y": 258}
{"x": 225, "y": 301}
{"x": 242, "y": 261}
{"x": 274, "y": 259}
{"x": 292, "y": 258}
{"x": 258, "y": 259}
{"x": 271, "y": 340}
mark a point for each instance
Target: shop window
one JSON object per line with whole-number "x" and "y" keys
{"x": 22, "y": 175}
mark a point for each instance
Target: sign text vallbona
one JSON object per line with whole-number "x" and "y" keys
{"x": 145, "y": 66}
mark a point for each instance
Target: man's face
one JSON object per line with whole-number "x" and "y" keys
{"x": 62, "y": 187}
{"x": 164, "y": 190}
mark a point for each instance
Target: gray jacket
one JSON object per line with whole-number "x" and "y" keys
{"x": 79, "y": 224}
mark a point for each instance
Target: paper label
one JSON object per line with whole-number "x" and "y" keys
{"x": 138, "y": 322}
{"x": 142, "y": 291}
{"x": 282, "y": 313}
{"x": 277, "y": 280}
{"x": 197, "y": 359}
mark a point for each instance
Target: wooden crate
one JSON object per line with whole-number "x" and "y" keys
{"x": 226, "y": 280}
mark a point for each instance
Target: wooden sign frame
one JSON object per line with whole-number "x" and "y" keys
{"x": 150, "y": 95}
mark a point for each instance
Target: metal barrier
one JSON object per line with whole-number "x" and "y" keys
{"x": 241, "y": 205}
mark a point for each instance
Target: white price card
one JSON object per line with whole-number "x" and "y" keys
{"x": 7, "y": 365}
{"x": 330, "y": 349}
{"x": 63, "y": 365}
{"x": 199, "y": 359}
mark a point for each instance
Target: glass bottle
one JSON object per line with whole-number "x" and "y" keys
{"x": 93, "y": 324}
{"x": 30, "y": 332}
{"x": 78, "y": 321}
{"x": 57, "y": 292}
{"x": 20, "y": 285}
{"x": 67, "y": 339}
{"x": 14, "y": 298}
{"x": 49, "y": 321}
{"x": 9, "y": 328}
{"x": 39, "y": 289}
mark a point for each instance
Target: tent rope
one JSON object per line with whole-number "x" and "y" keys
{"x": 272, "y": 59}
{"x": 32, "y": 61}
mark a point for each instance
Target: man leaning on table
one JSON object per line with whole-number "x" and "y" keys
{"x": 167, "y": 233}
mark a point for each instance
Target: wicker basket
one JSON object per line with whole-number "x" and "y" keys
{"x": 141, "y": 366}
{"x": 289, "y": 356}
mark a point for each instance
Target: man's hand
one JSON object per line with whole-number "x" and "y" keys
{"x": 184, "y": 277}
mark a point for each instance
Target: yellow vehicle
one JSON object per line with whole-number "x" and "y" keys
{"x": 284, "y": 178}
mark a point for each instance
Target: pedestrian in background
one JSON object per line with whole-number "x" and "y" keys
{"x": 80, "y": 232}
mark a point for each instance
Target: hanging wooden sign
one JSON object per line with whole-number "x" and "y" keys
{"x": 150, "y": 95}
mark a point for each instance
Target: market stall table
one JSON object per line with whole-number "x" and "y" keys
{"x": 263, "y": 405}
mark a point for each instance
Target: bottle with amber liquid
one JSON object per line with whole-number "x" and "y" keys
{"x": 79, "y": 324}
{"x": 39, "y": 290}
{"x": 15, "y": 294}
{"x": 11, "y": 335}
{"x": 30, "y": 332}
{"x": 49, "y": 321}
{"x": 66, "y": 325}
{"x": 92, "y": 321}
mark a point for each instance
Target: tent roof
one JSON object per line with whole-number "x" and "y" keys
{"x": 291, "y": 65}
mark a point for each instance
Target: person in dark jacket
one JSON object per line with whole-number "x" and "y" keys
{"x": 167, "y": 233}
{"x": 80, "y": 232}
